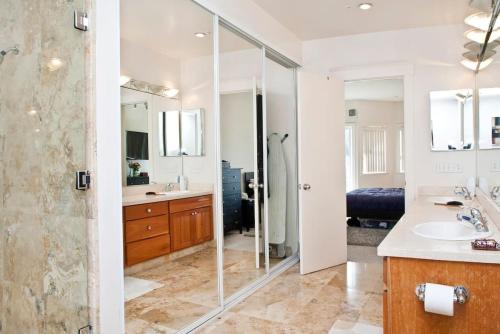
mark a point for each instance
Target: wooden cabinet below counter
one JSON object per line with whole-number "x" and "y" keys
{"x": 404, "y": 313}
{"x": 156, "y": 229}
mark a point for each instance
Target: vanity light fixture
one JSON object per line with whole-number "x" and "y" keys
{"x": 200, "y": 34}
{"x": 479, "y": 36}
{"x": 54, "y": 64}
{"x": 365, "y": 6}
{"x": 481, "y": 21}
{"x": 171, "y": 92}
{"x": 477, "y": 48}
{"x": 124, "y": 80}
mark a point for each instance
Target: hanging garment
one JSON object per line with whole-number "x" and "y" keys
{"x": 276, "y": 168}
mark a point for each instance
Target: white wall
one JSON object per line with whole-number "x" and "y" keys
{"x": 435, "y": 54}
{"x": 378, "y": 113}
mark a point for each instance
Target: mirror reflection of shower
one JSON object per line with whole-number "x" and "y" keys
{"x": 14, "y": 50}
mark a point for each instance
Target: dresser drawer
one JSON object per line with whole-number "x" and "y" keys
{"x": 190, "y": 203}
{"x": 231, "y": 188}
{"x": 145, "y": 210}
{"x": 231, "y": 175}
{"x": 139, "y": 251}
{"x": 146, "y": 228}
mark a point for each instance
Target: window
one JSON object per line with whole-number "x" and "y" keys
{"x": 401, "y": 150}
{"x": 374, "y": 150}
{"x": 349, "y": 159}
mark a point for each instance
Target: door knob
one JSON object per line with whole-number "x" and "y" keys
{"x": 306, "y": 186}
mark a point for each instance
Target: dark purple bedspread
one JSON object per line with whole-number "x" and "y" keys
{"x": 377, "y": 203}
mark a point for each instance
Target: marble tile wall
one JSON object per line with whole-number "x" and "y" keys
{"x": 43, "y": 219}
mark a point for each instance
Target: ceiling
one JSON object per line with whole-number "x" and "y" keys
{"x": 375, "y": 90}
{"x": 168, "y": 27}
{"x": 313, "y": 19}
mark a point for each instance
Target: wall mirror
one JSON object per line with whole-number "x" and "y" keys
{"x": 489, "y": 118}
{"x": 181, "y": 133}
{"x": 169, "y": 133}
{"x": 452, "y": 120}
{"x": 192, "y": 122}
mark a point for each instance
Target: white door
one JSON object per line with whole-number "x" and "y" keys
{"x": 322, "y": 225}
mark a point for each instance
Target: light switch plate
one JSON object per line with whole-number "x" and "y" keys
{"x": 449, "y": 167}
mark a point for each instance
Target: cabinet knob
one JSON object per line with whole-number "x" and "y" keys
{"x": 193, "y": 213}
{"x": 148, "y": 210}
{"x": 149, "y": 228}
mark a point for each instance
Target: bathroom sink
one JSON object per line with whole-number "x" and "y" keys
{"x": 448, "y": 230}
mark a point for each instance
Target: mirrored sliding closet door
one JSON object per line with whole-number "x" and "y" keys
{"x": 242, "y": 154}
{"x": 167, "y": 67}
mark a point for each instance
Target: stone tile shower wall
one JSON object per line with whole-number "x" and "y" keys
{"x": 43, "y": 220}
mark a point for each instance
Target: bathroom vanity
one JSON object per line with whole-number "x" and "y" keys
{"x": 410, "y": 260}
{"x": 157, "y": 225}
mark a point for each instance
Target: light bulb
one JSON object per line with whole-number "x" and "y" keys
{"x": 479, "y": 36}
{"x": 472, "y": 65}
{"x": 481, "y": 21}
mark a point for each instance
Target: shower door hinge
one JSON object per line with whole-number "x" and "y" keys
{"x": 81, "y": 20}
{"x": 85, "y": 330}
{"x": 82, "y": 180}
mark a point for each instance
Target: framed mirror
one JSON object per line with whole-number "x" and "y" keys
{"x": 452, "y": 120}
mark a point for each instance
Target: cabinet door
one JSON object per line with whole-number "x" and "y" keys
{"x": 182, "y": 229}
{"x": 203, "y": 225}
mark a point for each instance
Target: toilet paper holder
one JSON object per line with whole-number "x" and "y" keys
{"x": 460, "y": 296}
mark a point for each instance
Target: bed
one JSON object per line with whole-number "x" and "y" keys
{"x": 375, "y": 204}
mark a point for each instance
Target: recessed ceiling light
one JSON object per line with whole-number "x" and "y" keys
{"x": 365, "y": 6}
{"x": 200, "y": 34}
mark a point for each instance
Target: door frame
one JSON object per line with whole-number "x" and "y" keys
{"x": 406, "y": 72}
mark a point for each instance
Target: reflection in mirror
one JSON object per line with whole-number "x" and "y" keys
{"x": 452, "y": 120}
{"x": 192, "y": 132}
{"x": 168, "y": 133}
{"x": 136, "y": 135}
{"x": 489, "y": 118}
{"x": 169, "y": 239}
{"x": 488, "y": 164}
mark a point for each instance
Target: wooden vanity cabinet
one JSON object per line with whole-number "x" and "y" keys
{"x": 404, "y": 313}
{"x": 190, "y": 222}
{"x": 155, "y": 229}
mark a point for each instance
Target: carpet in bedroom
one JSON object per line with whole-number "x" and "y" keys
{"x": 365, "y": 236}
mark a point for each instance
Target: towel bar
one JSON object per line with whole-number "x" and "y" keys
{"x": 461, "y": 294}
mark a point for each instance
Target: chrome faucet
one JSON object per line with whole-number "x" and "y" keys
{"x": 476, "y": 218}
{"x": 495, "y": 193}
{"x": 463, "y": 191}
{"x": 170, "y": 186}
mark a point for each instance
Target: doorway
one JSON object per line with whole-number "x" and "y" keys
{"x": 375, "y": 168}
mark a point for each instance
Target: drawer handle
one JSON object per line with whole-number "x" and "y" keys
{"x": 150, "y": 228}
{"x": 148, "y": 210}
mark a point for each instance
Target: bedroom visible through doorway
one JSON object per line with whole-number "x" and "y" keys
{"x": 374, "y": 162}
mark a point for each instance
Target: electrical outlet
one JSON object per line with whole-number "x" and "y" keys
{"x": 449, "y": 167}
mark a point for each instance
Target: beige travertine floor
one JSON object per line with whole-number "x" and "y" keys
{"x": 291, "y": 303}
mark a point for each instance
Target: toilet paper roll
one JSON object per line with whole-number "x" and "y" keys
{"x": 439, "y": 299}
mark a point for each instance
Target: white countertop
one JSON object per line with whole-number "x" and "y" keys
{"x": 143, "y": 198}
{"x": 402, "y": 242}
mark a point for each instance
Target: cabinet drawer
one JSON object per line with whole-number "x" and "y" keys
{"x": 145, "y": 210}
{"x": 230, "y": 199}
{"x": 146, "y": 228}
{"x": 139, "y": 251}
{"x": 231, "y": 188}
{"x": 231, "y": 175}
{"x": 190, "y": 203}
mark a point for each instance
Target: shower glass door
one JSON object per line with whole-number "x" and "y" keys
{"x": 43, "y": 112}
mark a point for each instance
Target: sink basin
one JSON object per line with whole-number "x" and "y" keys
{"x": 449, "y": 231}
